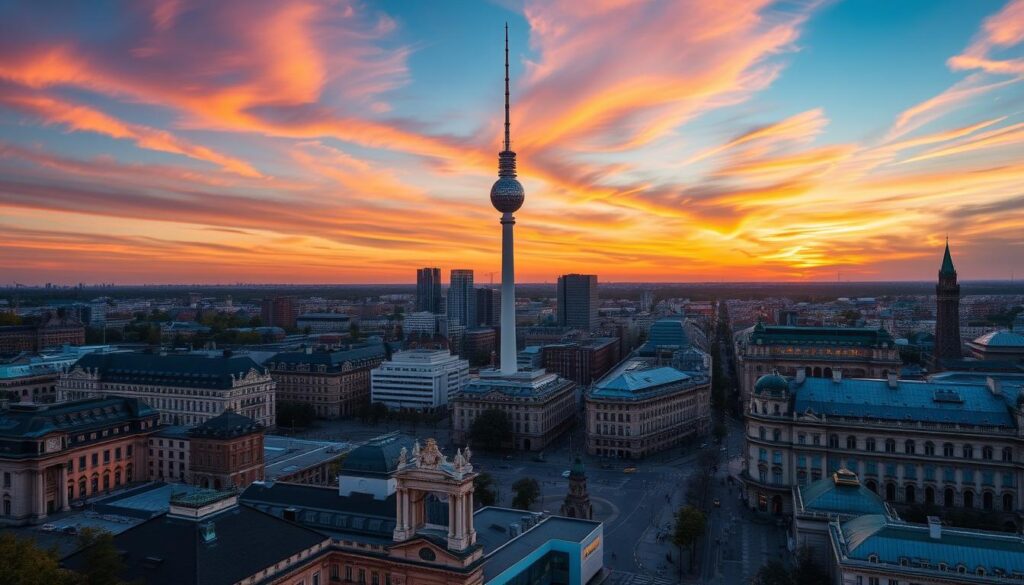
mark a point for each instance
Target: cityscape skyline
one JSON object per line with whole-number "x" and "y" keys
{"x": 351, "y": 151}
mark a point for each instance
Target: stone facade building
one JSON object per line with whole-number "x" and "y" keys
{"x": 335, "y": 383}
{"x": 53, "y": 454}
{"x": 185, "y": 389}
{"x": 817, "y": 351}
{"x": 540, "y": 405}
{"x": 226, "y": 452}
{"x": 951, "y": 444}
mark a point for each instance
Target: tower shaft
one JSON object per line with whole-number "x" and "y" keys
{"x": 508, "y": 296}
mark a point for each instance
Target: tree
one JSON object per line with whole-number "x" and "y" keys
{"x": 527, "y": 491}
{"x": 690, "y": 526}
{"x": 491, "y": 430}
{"x": 295, "y": 414}
{"x": 485, "y": 492}
{"x": 378, "y": 410}
{"x": 807, "y": 570}
{"x": 102, "y": 561}
{"x": 774, "y": 573}
{"x": 22, "y": 562}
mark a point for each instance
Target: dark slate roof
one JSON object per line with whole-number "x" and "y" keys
{"x": 333, "y": 360}
{"x": 843, "y": 336}
{"x": 171, "y": 551}
{"x": 831, "y": 497}
{"x": 226, "y": 425}
{"x": 188, "y": 370}
{"x": 377, "y": 457}
{"x": 322, "y": 508}
{"x": 26, "y": 421}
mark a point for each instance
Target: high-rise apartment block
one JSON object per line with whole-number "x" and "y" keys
{"x": 577, "y": 301}
{"x": 428, "y": 290}
{"x": 488, "y": 307}
{"x": 462, "y": 299}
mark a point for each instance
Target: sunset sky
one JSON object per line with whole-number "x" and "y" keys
{"x": 351, "y": 142}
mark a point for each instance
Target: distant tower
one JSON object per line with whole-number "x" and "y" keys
{"x": 577, "y": 501}
{"x": 428, "y": 290}
{"x": 507, "y": 196}
{"x": 947, "y": 313}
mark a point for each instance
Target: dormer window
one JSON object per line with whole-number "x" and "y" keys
{"x": 872, "y": 558}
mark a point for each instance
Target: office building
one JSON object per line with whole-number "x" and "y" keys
{"x": 419, "y": 325}
{"x": 418, "y": 379}
{"x": 324, "y": 322}
{"x": 226, "y": 452}
{"x": 428, "y": 290}
{"x": 462, "y": 299}
{"x": 479, "y": 345}
{"x": 583, "y": 361}
{"x": 577, "y": 301}
{"x": 54, "y": 454}
{"x": 186, "y": 389}
{"x": 278, "y": 312}
{"x": 335, "y": 383}
{"x": 488, "y": 307}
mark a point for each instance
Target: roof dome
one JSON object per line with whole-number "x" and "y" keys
{"x": 771, "y": 383}
{"x": 577, "y": 468}
{"x": 507, "y": 195}
{"x": 1001, "y": 338}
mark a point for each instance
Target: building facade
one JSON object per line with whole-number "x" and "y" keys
{"x": 540, "y": 405}
{"x": 428, "y": 290}
{"x": 582, "y": 362}
{"x": 324, "y": 322}
{"x": 53, "y": 454}
{"x": 947, "y": 313}
{"x": 30, "y": 338}
{"x": 226, "y": 452}
{"x": 186, "y": 389}
{"x": 462, "y": 299}
{"x": 488, "y": 307}
{"x": 335, "y": 383}
{"x": 278, "y": 312}
{"x": 577, "y": 301}
{"x": 641, "y": 408}
{"x": 169, "y": 450}
{"x": 816, "y": 351}
{"x": 944, "y": 443}
{"x": 418, "y": 379}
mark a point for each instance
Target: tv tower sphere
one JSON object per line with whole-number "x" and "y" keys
{"x": 507, "y": 194}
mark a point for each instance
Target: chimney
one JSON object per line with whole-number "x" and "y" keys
{"x": 801, "y": 375}
{"x": 837, "y": 375}
{"x": 934, "y": 528}
{"x": 892, "y": 379}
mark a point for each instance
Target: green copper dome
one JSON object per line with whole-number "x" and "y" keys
{"x": 771, "y": 384}
{"x": 577, "y": 468}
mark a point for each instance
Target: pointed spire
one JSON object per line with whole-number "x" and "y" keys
{"x": 508, "y": 141}
{"x": 947, "y": 261}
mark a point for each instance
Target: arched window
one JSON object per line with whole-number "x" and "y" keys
{"x": 890, "y": 446}
{"x": 81, "y": 488}
{"x": 968, "y": 451}
{"x": 890, "y": 492}
{"x": 968, "y": 499}
{"x": 986, "y": 452}
{"x": 776, "y": 435}
{"x": 929, "y": 448}
{"x": 949, "y": 498}
{"x": 833, "y": 441}
{"x": 947, "y": 449}
{"x": 986, "y": 500}
{"x": 909, "y": 493}
{"x": 869, "y": 444}
{"x": 7, "y": 505}
{"x": 761, "y": 433}
{"x": 851, "y": 442}
{"x": 909, "y": 446}
{"x": 775, "y": 409}
{"x": 117, "y": 477}
{"x": 1007, "y": 454}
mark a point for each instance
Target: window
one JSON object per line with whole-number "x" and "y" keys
{"x": 869, "y": 445}
{"x": 348, "y": 573}
{"x": 762, "y": 455}
{"x": 986, "y": 453}
{"x": 947, "y": 449}
{"x": 316, "y": 578}
{"x": 375, "y": 578}
{"x": 851, "y": 442}
{"x": 362, "y": 575}
{"x": 929, "y": 448}
{"x": 833, "y": 441}
{"x": 1007, "y": 454}
{"x": 95, "y": 459}
{"x": 872, "y": 580}
{"x": 776, "y": 435}
{"x": 761, "y": 433}
{"x": 909, "y": 447}
{"x": 777, "y": 457}
{"x": 801, "y": 439}
{"x": 968, "y": 451}
{"x": 890, "y": 446}
{"x": 81, "y": 463}
{"x": 335, "y": 573}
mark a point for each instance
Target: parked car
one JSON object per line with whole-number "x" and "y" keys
{"x": 629, "y": 470}
{"x": 565, "y": 474}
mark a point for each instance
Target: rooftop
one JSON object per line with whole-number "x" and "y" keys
{"x": 843, "y": 336}
{"x": 841, "y": 494}
{"x": 226, "y": 425}
{"x": 26, "y": 421}
{"x": 377, "y": 457}
{"x": 187, "y": 370}
{"x": 1000, "y": 339}
{"x": 284, "y": 456}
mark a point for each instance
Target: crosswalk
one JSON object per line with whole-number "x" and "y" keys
{"x": 624, "y": 578}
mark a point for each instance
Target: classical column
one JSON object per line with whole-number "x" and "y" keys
{"x": 452, "y": 518}
{"x": 62, "y": 488}
{"x": 40, "y": 495}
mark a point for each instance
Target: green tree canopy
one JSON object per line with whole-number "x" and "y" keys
{"x": 690, "y": 526}
{"x": 103, "y": 563}
{"x": 22, "y": 562}
{"x": 527, "y": 491}
{"x": 491, "y": 430}
{"x": 485, "y": 491}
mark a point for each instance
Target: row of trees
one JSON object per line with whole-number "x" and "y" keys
{"x": 525, "y": 491}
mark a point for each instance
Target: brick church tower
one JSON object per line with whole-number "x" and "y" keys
{"x": 947, "y": 314}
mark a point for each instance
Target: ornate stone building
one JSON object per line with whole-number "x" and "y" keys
{"x": 947, "y": 314}
{"x": 336, "y": 383}
{"x": 577, "y": 500}
{"x": 949, "y": 444}
{"x": 52, "y": 454}
{"x": 226, "y": 452}
{"x": 185, "y": 389}
{"x": 817, "y": 351}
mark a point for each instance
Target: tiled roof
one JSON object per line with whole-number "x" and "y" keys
{"x": 21, "y": 421}
{"x": 187, "y": 370}
{"x": 324, "y": 509}
{"x": 910, "y": 401}
{"x": 226, "y": 425}
{"x": 639, "y": 383}
{"x": 892, "y": 540}
{"x": 332, "y": 360}
{"x": 843, "y": 336}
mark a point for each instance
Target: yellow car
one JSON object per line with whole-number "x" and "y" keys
{"x": 629, "y": 470}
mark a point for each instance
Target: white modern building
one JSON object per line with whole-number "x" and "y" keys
{"x": 420, "y": 379}
{"x": 419, "y": 324}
